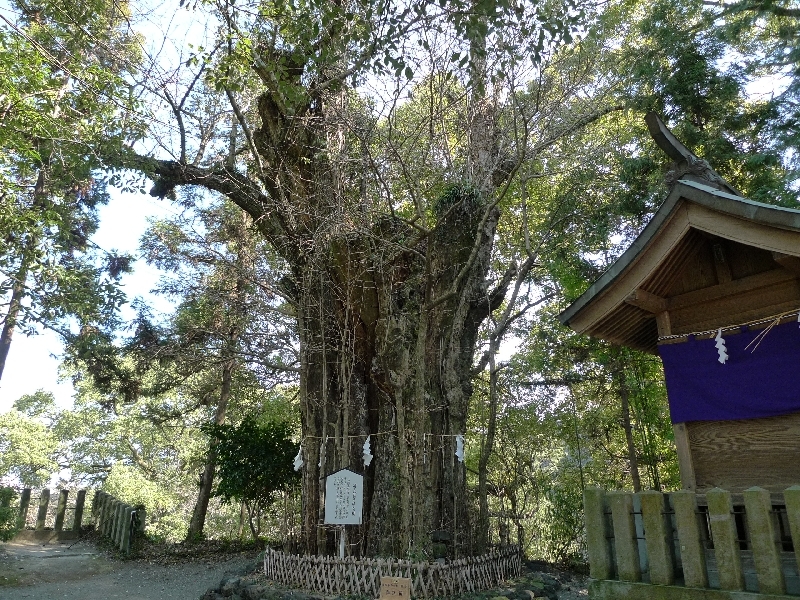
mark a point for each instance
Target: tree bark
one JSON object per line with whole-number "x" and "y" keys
{"x": 624, "y": 395}
{"x": 228, "y": 357}
{"x": 14, "y": 306}
{"x": 198, "y": 520}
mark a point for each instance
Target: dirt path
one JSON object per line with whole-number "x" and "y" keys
{"x": 82, "y": 572}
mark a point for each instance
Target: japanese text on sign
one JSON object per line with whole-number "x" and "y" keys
{"x": 344, "y": 491}
{"x": 395, "y": 588}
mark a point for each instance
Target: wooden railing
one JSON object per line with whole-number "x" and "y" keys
{"x": 362, "y": 576}
{"x": 707, "y": 546}
{"x": 117, "y": 521}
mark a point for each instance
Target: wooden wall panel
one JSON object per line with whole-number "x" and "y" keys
{"x": 738, "y": 308}
{"x": 736, "y": 455}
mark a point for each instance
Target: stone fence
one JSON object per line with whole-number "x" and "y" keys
{"x": 46, "y": 524}
{"x": 118, "y": 522}
{"x": 687, "y": 546}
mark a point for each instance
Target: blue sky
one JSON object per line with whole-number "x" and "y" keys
{"x": 31, "y": 363}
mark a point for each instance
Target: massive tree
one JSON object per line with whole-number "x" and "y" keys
{"x": 386, "y": 221}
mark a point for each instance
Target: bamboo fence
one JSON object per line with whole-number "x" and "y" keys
{"x": 362, "y": 576}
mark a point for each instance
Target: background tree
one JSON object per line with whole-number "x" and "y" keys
{"x": 255, "y": 461}
{"x": 56, "y": 71}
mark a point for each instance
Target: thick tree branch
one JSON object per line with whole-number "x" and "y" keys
{"x": 242, "y": 191}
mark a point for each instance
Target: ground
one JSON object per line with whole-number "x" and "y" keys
{"x": 82, "y": 571}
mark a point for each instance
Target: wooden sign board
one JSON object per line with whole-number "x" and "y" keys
{"x": 395, "y": 588}
{"x": 344, "y": 498}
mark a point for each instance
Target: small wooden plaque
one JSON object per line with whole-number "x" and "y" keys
{"x": 395, "y": 588}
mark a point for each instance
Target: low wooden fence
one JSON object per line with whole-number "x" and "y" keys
{"x": 685, "y": 545}
{"x": 117, "y": 521}
{"x": 63, "y": 523}
{"x": 362, "y": 576}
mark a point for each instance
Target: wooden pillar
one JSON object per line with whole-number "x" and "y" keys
{"x": 726, "y": 544}
{"x": 693, "y": 555}
{"x": 658, "y": 538}
{"x": 24, "y": 504}
{"x": 685, "y": 462}
{"x": 80, "y": 501}
{"x": 61, "y": 510}
{"x": 627, "y": 548}
{"x": 41, "y": 517}
{"x": 101, "y": 513}
{"x": 758, "y": 506}
{"x": 115, "y": 506}
{"x": 792, "y": 498}
{"x": 106, "y": 524}
{"x": 119, "y": 524}
{"x": 600, "y": 563}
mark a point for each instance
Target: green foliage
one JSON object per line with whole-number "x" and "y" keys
{"x": 27, "y": 446}
{"x": 8, "y": 514}
{"x": 254, "y": 460}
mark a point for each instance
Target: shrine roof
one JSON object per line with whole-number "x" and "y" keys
{"x": 677, "y": 266}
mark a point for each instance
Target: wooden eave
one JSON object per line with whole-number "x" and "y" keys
{"x": 622, "y": 305}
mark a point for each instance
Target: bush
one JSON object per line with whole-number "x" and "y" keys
{"x": 8, "y": 515}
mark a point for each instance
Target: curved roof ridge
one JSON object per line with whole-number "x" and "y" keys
{"x": 691, "y": 191}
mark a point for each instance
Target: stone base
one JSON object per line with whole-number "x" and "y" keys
{"x": 45, "y": 535}
{"x": 625, "y": 590}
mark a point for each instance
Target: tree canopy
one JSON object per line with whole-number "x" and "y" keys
{"x": 379, "y": 199}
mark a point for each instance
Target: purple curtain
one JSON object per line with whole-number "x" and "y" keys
{"x": 759, "y": 381}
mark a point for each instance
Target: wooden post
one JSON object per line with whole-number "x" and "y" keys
{"x": 125, "y": 530}
{"x": 80, "y": 501}
{"x": 120, "y": 522}
{"x": 600, "y": 564}
{"x": 24, "y": 504}
{"x": 658, "y": 538}
{"x": 111, "y": 507}
{"x": 627, "y": 548}
{"x": 758, "y": 506}
{"x": 693, "y": 555}
{"x": 101, "y": 514}
{"x": 141, "y": 512}
{"x": 726, "y": 544}
{"x": 107, "y": 512}
{"x": 685, "y": 462}
{"x": 116, "y": 519}
{"x": 96, "y": 507}
{"x": 61, "y": 510}
{"x": 792, "y": 498}
{"x": 41, "y": 517}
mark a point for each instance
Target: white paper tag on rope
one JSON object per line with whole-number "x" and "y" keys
{"x": 460, "y": 448}
{"x": 721, "y": 349}
{"x": 298, "y": 460}
{"x": 367, "y": 452}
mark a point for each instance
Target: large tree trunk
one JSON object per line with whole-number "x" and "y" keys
{"x": 388, "y": 335}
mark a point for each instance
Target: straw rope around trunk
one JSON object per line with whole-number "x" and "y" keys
{"x": 362, "y": 576}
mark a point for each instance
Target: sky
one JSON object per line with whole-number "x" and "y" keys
{"x": 32, "y": 361}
